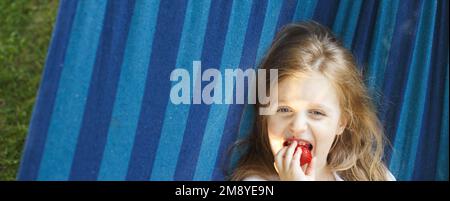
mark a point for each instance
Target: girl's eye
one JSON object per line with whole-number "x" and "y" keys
{"x": 317, "y": 114}
{"x": 284, "y": 109}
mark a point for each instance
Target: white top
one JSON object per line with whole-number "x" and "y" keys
{"x": 336, "y": 177}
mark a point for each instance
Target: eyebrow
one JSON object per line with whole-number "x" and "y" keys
{"x": 282, "y": 101}
{"x": 321, "y": 106}
{"x": 312, "y": 104}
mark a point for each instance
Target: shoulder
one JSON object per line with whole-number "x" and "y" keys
{"x": 254, "y": 178}
{"x": 389, "y": 176}
{"x": 260, "y": 178}
{"x": 337, "y": 177}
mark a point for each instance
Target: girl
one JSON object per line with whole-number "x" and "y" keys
{"x": 322, "y": 103}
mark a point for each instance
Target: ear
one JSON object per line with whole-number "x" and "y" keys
{"x": 342, "y": 126}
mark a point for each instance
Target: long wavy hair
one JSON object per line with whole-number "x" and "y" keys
{"x": 356, "y": 154}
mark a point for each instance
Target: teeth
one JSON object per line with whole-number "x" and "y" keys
{"x": 302, "y": 143}
{"x": 299, "y": 142}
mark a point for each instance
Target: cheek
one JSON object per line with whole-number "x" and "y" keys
{"x": 324, "y": 133}
{"x": 276, "y": 129}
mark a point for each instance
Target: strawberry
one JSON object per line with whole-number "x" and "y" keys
{"x": 306, "y": 151}
{"x": 306, "y": 155}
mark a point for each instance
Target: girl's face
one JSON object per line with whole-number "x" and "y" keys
{"x": 308, "y": 109}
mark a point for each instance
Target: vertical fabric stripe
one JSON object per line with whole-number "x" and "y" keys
{"x": 406, "y": 139}
{"x": 162, "y": 61}
{"x": 442, "y": 162}
{"x": 102, "y": 91}
{"x": 381, "y": 44}
{"x": 397, "y": 69}
{"x": 346, "y": 19}
{"x": 268, "y": 31}
{"x": 122, "y": 127}
{"x": 428, "y": 143}
{"x": 286, "y": 14}
{"x": 247, "y": 61}
{"x": 232, "y": 53}
{"x": 37, "y": 135}
{"x": 124, "y": 120}
{"x": 325, "y": 12}
{"x": 364, "y": 32}
{"x": 213, "y": 48}
{"x": 72, "y": 91}
{"x": 305, "y": 10}
{"x": 175, "y": 117}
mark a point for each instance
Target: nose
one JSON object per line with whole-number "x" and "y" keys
{"x": 298, "y": 125}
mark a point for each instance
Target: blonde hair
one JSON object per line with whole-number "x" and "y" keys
{"x": 357, "y": 153}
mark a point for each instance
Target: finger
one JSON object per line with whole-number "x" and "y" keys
{"x": 289, "y": 153}
{"x": 304, "y": 168}
{"x": 275, "y": 166}
{"x": 295, "y": 164}
{"x": 311, "y": 169}
{"x": 279, "y": 158}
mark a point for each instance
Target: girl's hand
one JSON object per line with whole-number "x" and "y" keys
{"x": 288, "y": 166}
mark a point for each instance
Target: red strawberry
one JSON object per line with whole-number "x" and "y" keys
{"x": 306, "y": 155}
{"x": 306, "y": 151}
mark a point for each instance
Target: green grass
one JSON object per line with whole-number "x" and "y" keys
{"x": 25, "y": 32}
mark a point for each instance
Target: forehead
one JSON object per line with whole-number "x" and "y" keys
{"x": 311, "y": 88}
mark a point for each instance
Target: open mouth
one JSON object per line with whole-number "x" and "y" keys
{"x": 300, "y": 142}
{"x": 306, "y": 148}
